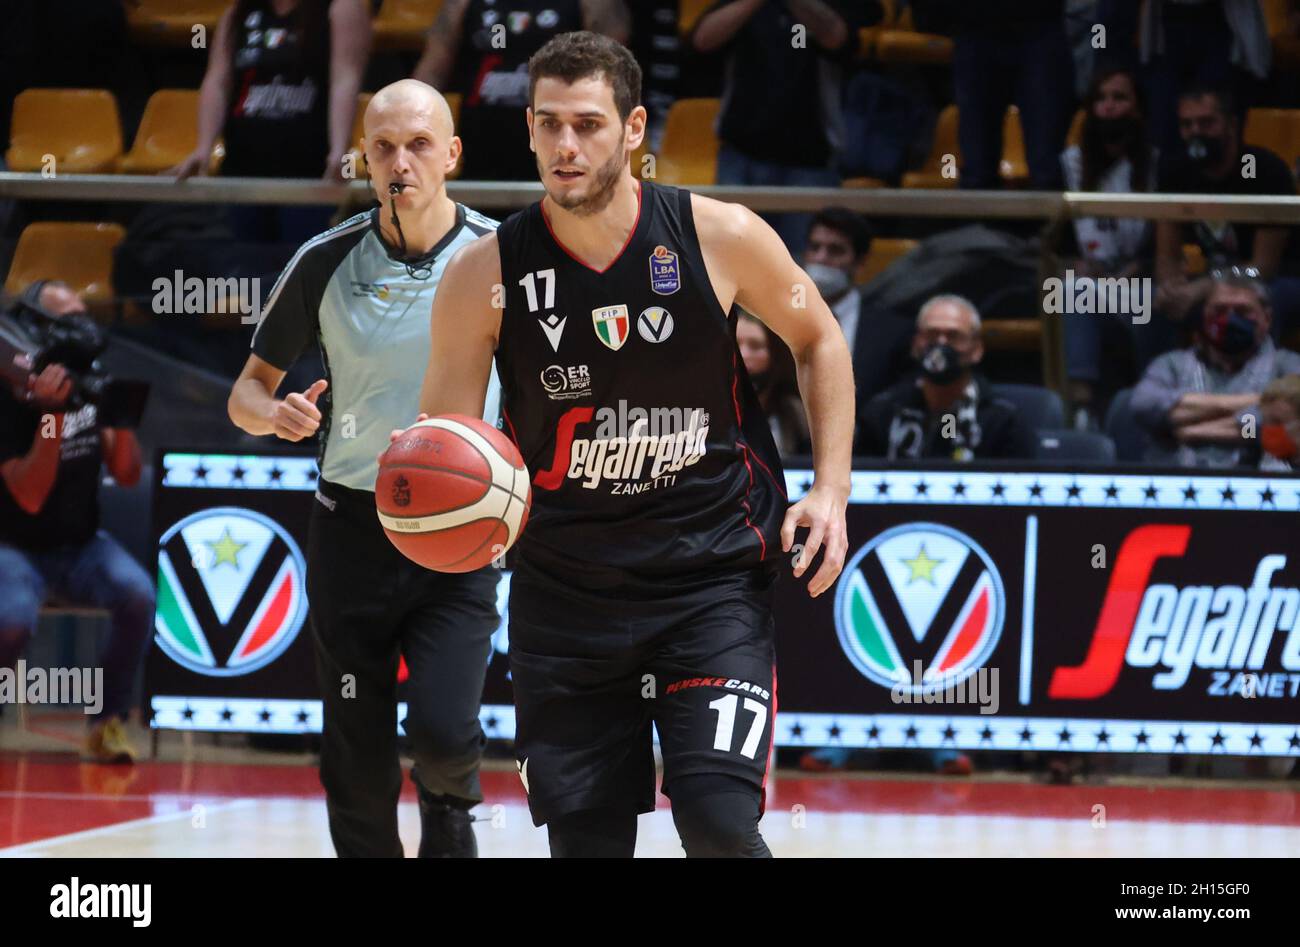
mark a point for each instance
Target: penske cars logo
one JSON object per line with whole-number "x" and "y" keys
{"x": 923, "y": 593}
{"x": 625, "y": 450}
{"x": 231, "y": 595}
{"x": 1230, "y": 630}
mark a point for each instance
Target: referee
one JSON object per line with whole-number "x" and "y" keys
{"x": 364, "y": 290}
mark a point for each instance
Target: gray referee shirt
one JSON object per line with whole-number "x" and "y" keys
{"x": 371, "y": 319}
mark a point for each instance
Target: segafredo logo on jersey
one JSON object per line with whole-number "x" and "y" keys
{"x": 630, "y": 450}
{"x": 921, "y": 592}
{"x": 231, "y": 591}
{"x": 1175, "y": 628}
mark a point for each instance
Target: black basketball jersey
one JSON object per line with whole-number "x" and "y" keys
{"x": 651, "y": 461}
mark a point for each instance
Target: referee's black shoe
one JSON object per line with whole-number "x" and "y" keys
{"x": 446, "y": 831}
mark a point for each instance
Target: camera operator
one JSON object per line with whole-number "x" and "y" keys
{"x": 50, "y": 455}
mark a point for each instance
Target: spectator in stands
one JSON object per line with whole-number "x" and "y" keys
{"x": 1279, "y": 425}
{"x": 1114, "y": 157}
{"x": 948, "y": 411}
{"x": 281, "y": 91}
{"x": 50, "y": 540}
{"x": 1214, "y": 160}
{"x": 482, "y": 53}
{"x": 781, "y": 123}
{"x": 880, "y": 342}
{"x": 771, "y": 370}
{"x": 1198, "y": 402}
{"x": 1220, "y": 44}
{"x": 1010, "y": 52}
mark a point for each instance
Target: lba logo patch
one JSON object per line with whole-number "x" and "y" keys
{"x": 923, "y": 592}
{"x": 665, "y": 276}
{"x": 231, "y": 591}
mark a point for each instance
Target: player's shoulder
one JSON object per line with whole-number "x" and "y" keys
{"x": 479, "y": 224}
{"x": 321, "y": 255}
{"x": 715, "y": 219}
{"x": 477, "y": 260}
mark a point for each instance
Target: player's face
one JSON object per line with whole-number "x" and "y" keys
{"x": 582, "y": 146}
{"x": 410, "y": 146}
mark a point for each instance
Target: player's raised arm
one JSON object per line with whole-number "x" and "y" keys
{"x": 463, "y": 330}
{"x": 748, "y": 263}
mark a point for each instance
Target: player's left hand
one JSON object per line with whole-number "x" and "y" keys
{"x": 397, "y": 432}
{"x": 822, "y": 511}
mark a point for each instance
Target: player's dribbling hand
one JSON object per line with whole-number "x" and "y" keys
{"x": 398, "y": 432}
{"x": 297, "y": 417}
{"x": 822, "y": 511}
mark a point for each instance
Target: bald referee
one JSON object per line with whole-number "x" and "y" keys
{"x": 363, "y": 290}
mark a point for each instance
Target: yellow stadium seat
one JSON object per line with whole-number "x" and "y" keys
{"x": 79, "y": 254}
{"x": 167, "y": 135}
{"x": 1075, "y": 135}
{"x": 172, "y": 22}
{"x": 689, "y": 14}
{"x": 1278, "y": 130}
{"x": 883, "y": 252}
{"x": 78, "y": 127}
{"x": 931, "y": 173}
{"x": 1286, "y": 48}
{"x": 900, "y": 42}
{"x": 1013, "y": 168}
{"x": 1012, "y": 335}
{"x": 1193, "y": 259}
{"x": 689, "y": 151}
{"x": 402, "y": 24}
{"x": 866, "y": 184}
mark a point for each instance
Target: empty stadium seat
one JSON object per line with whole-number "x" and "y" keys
{"x": 1012, "y": 335}
{"x": 168, "y": 132}
{"x": 1013, "y": 168}
{"x": 689, "y": 13}
{"x": 402, "y": 24}
{"x": 884, "y": 251}
{"x": 1040, "y": 407}
{"x": 79, "y": 254}
{"x": 172, "y": 22}
{"x": 1075, "y": 135}
{"x": 689, "y": 151}
{"x": 1278, "y": 130}
{"x": 78, "y": 127}
{"x": 1131, "y": 439}
{"x": 1067, "y": 446}
{"x": 899, "y": 42}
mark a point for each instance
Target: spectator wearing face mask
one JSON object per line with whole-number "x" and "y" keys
{"x": 771, "y": 370}
{"x": 948, "y": 410}
{"x": 1197, "y": 402}
{"x": 1214, "y": 160}
{"x": 1279, "y": 425}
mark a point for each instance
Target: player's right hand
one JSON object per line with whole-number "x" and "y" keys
{"x": 50, "y": 389}
{"x": 398, "y": 432}
{"x": 297, "y": 417}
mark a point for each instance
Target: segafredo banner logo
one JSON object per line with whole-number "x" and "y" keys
{"x": 921, "y": 592}
{"x": 231, "y": 591}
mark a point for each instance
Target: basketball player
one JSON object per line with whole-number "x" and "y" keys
{"x": 363, "y": 290}
{"x": 643, "y": 586}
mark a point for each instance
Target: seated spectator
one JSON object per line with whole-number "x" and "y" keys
{"x": 1214, "y": 160}
{"x": 1114, "y": 158}
{"x": 880, "y": 342}
{"x": 481, "y": 51}
{"x": 771, "y": 370}
{"x": 1195, "y": 401}
{"x": 50, "y": 457}
{"x": 948, "y": 411}
{"x": 1279, "y": 424}
{"x": 781, "y": 123}
{"x": 281, "y": 91}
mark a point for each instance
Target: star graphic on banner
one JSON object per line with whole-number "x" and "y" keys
{"x": 1103, "y": 738}
{"x": 1112, "y": 492}
{"x": 796, "y": 732}
{"x": 1036, "y": 490}
{"x": 922, "y": 488}
{"x": 999, "y": 490}
{"x": 225, "y": 549}
{"x": 1256, "y": 741}
{"x": 1189, "y": 493}
{"x": 227, "y": 715}
{"x": 921, "y": 566}
{"x": 834, "y": 731}
{"x": 237, "y": 473}
{"x": 1073, "y": 491}
{"x": 1229, "y": 495}
{"x": 264, "y": 716}
{"x": 873, "y": 733}
{"x": 201, "y": 472}
{"x": 1142, "y": 738}
{"x": 949, "y": 734}
{"x": 188, "y": 712}
{"x": 986, "y": 735}
{"x": 1026, "y": 734}
{"x": 909, "y": 735}
{"x": 1216, "y": 740}
{"x": 1180, "y": 739}
{"x": 1294, "y": 742}
{"x": 1063, "y": 735}
{"x": 806, "y": 485}
{"x": 882, "y": 489}
{"x": 1149, "y": 492}
{"x": 491, "y": 722}
{"x": 302, "y": 716}
{"x": 1266, "y": 496}
{"x": 959, "y": 489}
{"x": 275, "y": 474}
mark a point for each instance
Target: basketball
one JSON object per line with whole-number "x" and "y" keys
{"x": 452, "y": 493}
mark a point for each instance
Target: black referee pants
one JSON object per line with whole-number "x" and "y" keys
{"x": 370, "y": 604}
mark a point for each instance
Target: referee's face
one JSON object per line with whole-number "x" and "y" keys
{"x": 408, "y": 143}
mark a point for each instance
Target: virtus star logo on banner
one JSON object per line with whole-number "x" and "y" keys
{"x": 231, "y": 591}
{"x": 919, "y": 592}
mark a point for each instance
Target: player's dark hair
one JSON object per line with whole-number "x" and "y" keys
{"x": 578, "y": 55}
{"x": 1223, "y": 98}
{"x": 844, "y": 221}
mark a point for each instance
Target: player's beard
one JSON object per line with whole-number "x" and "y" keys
{"x": 602, "y": 191}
